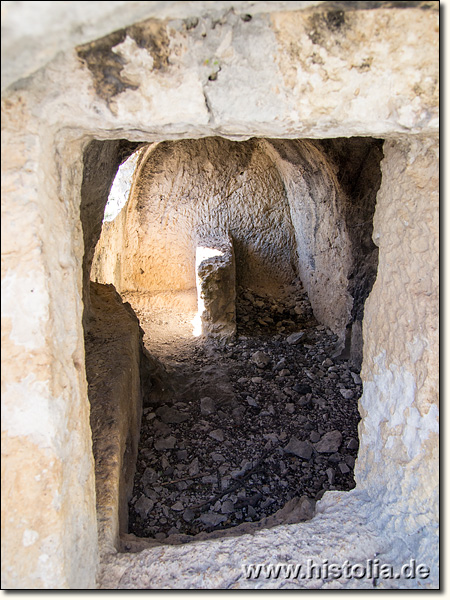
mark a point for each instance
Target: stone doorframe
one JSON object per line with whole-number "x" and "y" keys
{"x": 323, "y": 73}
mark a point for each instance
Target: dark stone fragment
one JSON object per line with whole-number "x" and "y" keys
{"x": 302, "y": 388}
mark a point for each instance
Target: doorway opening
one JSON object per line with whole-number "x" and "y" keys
{"x": 248, "y": 424}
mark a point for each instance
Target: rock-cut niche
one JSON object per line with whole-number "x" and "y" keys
{"x": 248, "y": 265}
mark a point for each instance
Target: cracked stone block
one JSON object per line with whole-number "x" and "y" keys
{"x": 216, "y": 287}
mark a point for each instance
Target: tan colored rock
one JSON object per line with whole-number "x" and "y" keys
{"x": 49, "y": 536}
{"x": 189, "y": 191}
{"x": 114, "y": 354}
{"x": 297, "y": 74}
{"x": 216, "y": 287}
{"x": 98, "y": 158}
{"x": 269, "y": 193}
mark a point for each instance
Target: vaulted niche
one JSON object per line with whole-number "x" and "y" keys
{"x": 248, "y": 265}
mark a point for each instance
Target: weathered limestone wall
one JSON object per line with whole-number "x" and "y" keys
{"x": 356, "y": 163}
{"x": 108, "y": 254}
{"x": 399, "y": 406}
{"x": 189, "y": 190}
{"x": 332, "y": 187}
{"x": 100, "y": 163}
{"x": 151, "y": 244}
{"x": 57, "y": 28}
{"x": 49, "y": 538}
{"x": 323, "y": 246}
{"x": 208, "y": 71}
{"x": 106, "y": 267}
{"x": 114, "y": 353}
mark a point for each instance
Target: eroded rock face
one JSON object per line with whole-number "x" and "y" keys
{"x": 216, "y": 287}
{"x": 262, "y": 194}
{"x": 399, "y": 406}
{"x": 114, "y": 354}
{"x": 101, "y": 160}
{"x": 311, "y": 73}
{"x": 356, "y": 163}
{"x": 188, "y": 191}
{"x": 317, "y": 205}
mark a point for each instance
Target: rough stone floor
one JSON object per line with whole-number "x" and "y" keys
{"x": 244, "y": 427}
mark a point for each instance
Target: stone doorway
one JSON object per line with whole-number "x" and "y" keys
{"x": 248, "y": 425}
{"x": 188, "y": 71}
